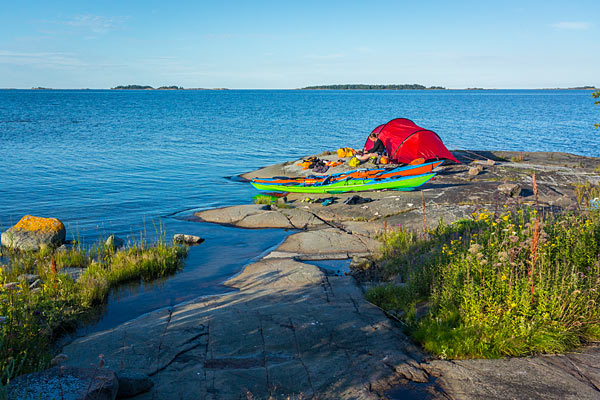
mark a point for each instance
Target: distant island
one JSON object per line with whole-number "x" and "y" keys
{"x": 374, "y": 87}
{"x": 146, "y": 87}
{"x": 583, "y": 88}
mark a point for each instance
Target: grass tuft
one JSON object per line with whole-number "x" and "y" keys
{"x": 32, "y": 318}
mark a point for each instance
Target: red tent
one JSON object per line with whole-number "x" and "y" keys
{"x": 404, "y": 141}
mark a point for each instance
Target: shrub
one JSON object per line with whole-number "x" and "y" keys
{"x": 516, "y": 283}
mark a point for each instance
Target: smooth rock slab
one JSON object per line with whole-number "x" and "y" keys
{"x": 132, "y": 383}
{"x": 31, "y": 233}
{"x": 72, "y": 384}
{"x": 289, "y": 330}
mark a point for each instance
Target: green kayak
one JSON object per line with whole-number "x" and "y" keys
{"x": 350, "y": 185}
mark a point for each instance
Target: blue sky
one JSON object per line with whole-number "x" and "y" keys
{"x": 290, "y": 44}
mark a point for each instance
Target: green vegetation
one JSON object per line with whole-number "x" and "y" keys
{"x": 519, "y": 158}
{"x": 33, "y": 316}
{"x": 507, "y": 284}
{"x": 132, "y": 87}
{"x": 143, "y": 87}
{"x": 264, "y": 199}
{"x": 374, "y": 87}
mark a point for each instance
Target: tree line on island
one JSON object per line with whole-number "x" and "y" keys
{"x": 355, "y": 86}
{"x": 147, "y": 87}
{"x": 144, "y": 87}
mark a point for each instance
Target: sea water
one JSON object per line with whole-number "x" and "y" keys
{"x": 134, "y": 163}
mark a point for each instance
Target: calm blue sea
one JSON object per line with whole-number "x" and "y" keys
{"x": 106, "y": 161}
{"x": 123, "y": 161}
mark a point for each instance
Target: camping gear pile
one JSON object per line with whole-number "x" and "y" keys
{"x": 317, "y": 165}
{"x": 405, "y": 143}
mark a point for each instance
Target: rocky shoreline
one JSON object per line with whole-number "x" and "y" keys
{"x": 292, "y": 330}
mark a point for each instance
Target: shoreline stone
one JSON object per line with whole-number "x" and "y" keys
{"x": 31, "y": 233}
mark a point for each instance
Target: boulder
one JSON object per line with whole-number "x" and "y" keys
{"x": 69, "y": 382}
{"x": 114, "y": 242}
{"x": 30, "y": 278}
{"x": 132, "y": 383}
{"x": 510, "y": 189}
{"x": 187, "y": 239}
{"x": 31, "y": 233}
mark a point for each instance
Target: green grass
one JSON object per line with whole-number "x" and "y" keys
{"x": 264, "y": 199}
{"x": 30, "y": 320}
{"x": 510, "y": 284}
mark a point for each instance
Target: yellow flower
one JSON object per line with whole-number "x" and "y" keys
{"x": 505, "y": 217}
{"x": 503, "y": 277}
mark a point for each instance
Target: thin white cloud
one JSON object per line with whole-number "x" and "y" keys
{"x": 572, "y": 25}
{"x": 95, "y": 23}
{"x": 332, "y": 56}
{"x": 41, "y": 59}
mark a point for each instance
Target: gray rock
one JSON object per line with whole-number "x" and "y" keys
{"x": 74, "y": 272}
{"x": 510, "y": 189}
{"x": 114, "y": 242}
{"x": 70, "y": 382}
{"x": 35, "y": 284}
{"x": 360, "y": 263}
{"x": 11, "y": 285}
{"x": 187, "y": 239}
{"x": 132, "y": 383}
{"x": 30, "y": 278}
{"x": 31, "y": 233}
{"x": 473, "y": 171}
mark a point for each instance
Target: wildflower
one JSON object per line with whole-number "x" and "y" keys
{"x": 503, "y": 277}
{"x": 506, "y": 217}
{"x": 503, "y": 256}
{"x": 475, "y": 248}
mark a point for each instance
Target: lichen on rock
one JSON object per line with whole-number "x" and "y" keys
{"x": 31, "y": 233}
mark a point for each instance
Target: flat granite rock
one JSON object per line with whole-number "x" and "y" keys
{"x": 289, "y": 330}
{"x": 256, "y": 216}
